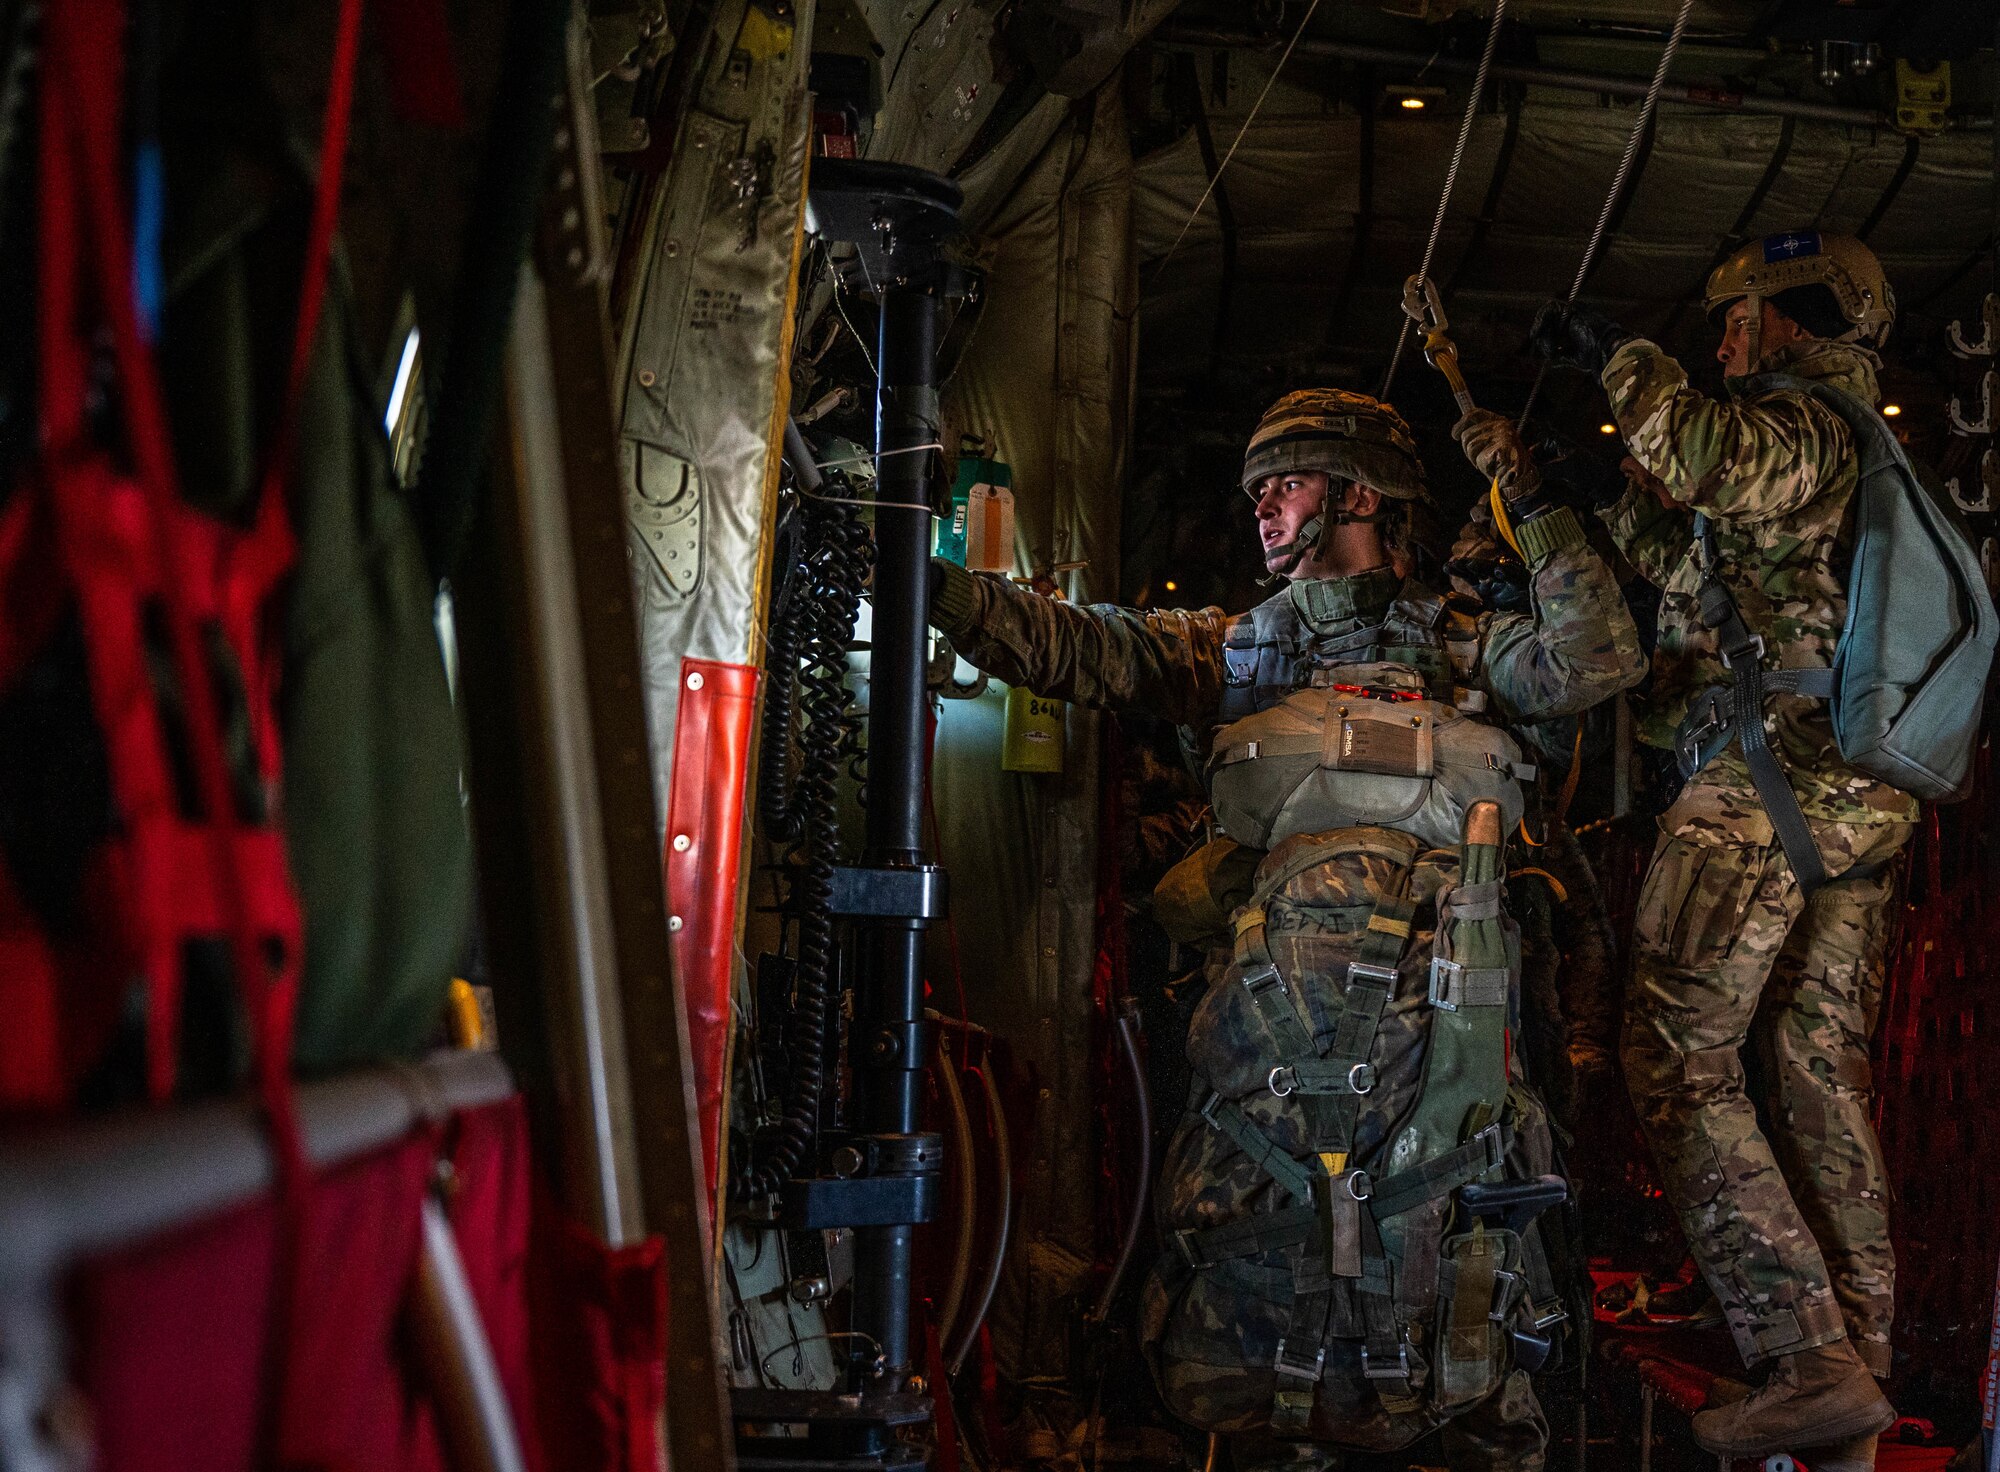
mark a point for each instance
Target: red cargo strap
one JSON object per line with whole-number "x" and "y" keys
{"x": 718, "y": 704}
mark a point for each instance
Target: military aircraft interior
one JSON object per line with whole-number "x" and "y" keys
{"x": 999, "y": 735}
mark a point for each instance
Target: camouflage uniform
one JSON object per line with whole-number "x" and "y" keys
{"x": 1200, "y": 670}
{"x": 1794, "y": 1239}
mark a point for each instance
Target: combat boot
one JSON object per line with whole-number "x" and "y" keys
{"x": 1814, "y": 1397}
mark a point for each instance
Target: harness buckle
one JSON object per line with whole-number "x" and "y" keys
{"x": 1383, "y": 975}
{"x": 1401, "y": 1370}
{"x": 1361, "y": 1077}
{"x": 1445, "y": 985}
{"x": 1261, "y": 977}
{"x": 1286, "y": 1074}
{"x": 1298, "y": 1367}
{"x": 1184, "y": 1239}
{"x": 1755, "y": 649}
{"x": 1359, "y": 1185}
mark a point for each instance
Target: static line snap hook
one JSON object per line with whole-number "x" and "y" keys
{"x": 1423, "y": 306}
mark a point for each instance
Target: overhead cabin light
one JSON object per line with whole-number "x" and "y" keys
{"x": 1607, "y": 429}
{"x": 1172, "y": 586}
{"x": 1892, "y": 410}
{"x": 1414, "y": 104}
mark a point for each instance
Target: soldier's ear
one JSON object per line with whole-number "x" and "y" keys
{"x": 1364, "y": 500}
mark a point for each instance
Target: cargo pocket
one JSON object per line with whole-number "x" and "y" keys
{"x": 1691, "y": 909}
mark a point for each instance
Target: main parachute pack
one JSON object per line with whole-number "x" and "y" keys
{"x": 1350, "y": 1202}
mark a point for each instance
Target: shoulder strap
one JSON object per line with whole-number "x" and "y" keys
{"x": 1742, "y": 655}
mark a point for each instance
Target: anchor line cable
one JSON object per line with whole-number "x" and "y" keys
{"x": 1450, "y": 178}
{"x": 1618, "y": 181}
{"x": 1222, "y": 167}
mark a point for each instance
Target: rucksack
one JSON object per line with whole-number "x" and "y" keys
{"x": 1349, "y": 1204}
{"x": 1907, "y": 685}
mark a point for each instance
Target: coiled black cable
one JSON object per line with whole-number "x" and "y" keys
{"x": 812, "y": 626}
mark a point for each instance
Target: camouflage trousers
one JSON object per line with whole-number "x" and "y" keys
{"x": 1506, "y": 1432}
{"x": 1792, "y": 1232}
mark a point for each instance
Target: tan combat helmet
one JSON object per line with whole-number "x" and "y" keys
{"x": 1348, "y": 436}
{"x": 1846, "y": 267}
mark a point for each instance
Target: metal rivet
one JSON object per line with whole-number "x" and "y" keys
{"x": 674, "y": 922}
{"x": 646, "y": 377}
{"x": 695, "y": 680}
{"x": 682, "y": 843}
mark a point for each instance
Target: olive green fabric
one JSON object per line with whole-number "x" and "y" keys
{"x": 374, "y": 819}
{"x": 371, "y": 800}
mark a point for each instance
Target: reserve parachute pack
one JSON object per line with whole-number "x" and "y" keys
{"x": 1362, "y": 745}
{"x": 1350, "y": 1204}
{"x": 1908, "y": 681}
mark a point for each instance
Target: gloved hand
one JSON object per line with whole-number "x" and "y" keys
{"x": 1494, "y": 447}
{"x": 1582, "y": 477}
{"x": 1575, "y": 336}
{"x": 1501, "y": 584}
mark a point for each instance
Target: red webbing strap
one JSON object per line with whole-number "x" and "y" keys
{"x": 139, "y": 558}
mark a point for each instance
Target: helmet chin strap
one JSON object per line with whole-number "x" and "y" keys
{"x": 1282, "y": 562}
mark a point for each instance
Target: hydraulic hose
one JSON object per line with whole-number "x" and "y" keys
{"x": 968, "y": 1188}
{"x": 808, "y": 663}
{"x": 1003, "y": 1219}
{"x": 1127, "y": 1029}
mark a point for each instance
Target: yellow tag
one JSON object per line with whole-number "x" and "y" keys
{"x": 1249, "y": 920}
{"x": 762, "y": 36}
{"x": 1389, "y": 925}
{"x": 1335, "y": 1163}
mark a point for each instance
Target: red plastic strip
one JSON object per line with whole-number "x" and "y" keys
{"x": 704, "y": 846}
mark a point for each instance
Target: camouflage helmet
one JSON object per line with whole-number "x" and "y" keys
{"x": 1343, "y": 434}
{"x": 1842, "y": 264}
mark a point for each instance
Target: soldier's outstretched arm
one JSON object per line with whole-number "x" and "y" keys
{"x": 1097, "y": 654}
{"x": 1578, "y": 646}
{"x": 1747, "y": 461}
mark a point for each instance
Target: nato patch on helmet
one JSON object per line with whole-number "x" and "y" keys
{"x": 1338, "y": 433}
{"x": 1763, "y": 269}
{"x": 1790, "y": 246}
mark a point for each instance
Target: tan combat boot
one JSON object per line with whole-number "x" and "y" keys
{"x": 1814, "y": 1397}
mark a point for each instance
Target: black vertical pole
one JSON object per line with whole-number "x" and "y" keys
{"x": 906, "y": 418}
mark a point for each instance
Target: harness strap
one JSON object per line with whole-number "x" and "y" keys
{"x": 1259, "y": 1147}
{"x": 1389, "y": 1362}
{"x": 1473, "y": 1277}
{"x": 1742, "y": 652}
{"x": 1446, "y": 1172}
{"x": 1299, "y": 1362}
{"x": 1454, "y": 986}
{"x": 1247, "y": 1236}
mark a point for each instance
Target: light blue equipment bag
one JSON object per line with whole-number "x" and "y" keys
{"x": 1908, "y": 683}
